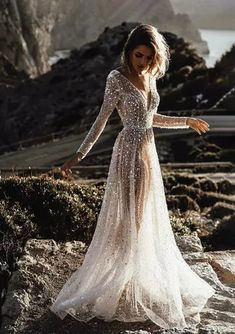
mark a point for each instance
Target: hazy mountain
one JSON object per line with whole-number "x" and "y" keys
{"x": 208, "y": 14}
{"x": 83, "y": 21}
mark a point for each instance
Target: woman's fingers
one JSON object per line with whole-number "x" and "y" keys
{"x": 200, "y": 126}
{"x": 204, "y": 126}
{"x": 202, "y": 121}
{"x": 65, "y": 171}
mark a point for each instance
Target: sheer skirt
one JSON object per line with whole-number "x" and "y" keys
{"x": 133, "y": 269}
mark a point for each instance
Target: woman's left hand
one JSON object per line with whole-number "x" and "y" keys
{"x": 198, "y": 124}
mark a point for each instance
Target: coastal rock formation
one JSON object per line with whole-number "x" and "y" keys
{"x": 45, "y": 266}
{"x": 62, "y": 97}
{"x": 67, "y": 99}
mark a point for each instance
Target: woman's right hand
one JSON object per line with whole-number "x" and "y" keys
{"x": 65, "y": 169}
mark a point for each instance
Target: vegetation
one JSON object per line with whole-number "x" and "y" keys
{"x": 42, "y": 207}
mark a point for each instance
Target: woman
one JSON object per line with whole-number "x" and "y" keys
{"x": 133, "y": 269}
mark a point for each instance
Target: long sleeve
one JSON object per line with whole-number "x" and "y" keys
{"x": 164, "y": 121}
{"x": 111, "y": 97}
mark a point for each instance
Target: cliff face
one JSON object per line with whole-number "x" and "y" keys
{"x": 30, "y": 30}
{"x": 25, "y": 33}
{"x": 208, "y": 14}
{"x": 83, "y": 21}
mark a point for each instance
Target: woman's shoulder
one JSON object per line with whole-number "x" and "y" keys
{"x": 114, "y": 72}
{"x": 119, "y": 72}
{"x": 115, "y": 77}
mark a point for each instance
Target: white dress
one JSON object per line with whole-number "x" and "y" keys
{"x": 133, "y": 269}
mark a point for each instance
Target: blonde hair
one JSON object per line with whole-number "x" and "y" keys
{"x": 148, "y": 35}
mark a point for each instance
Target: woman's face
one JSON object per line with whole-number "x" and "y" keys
{"x": 141, "y": 58}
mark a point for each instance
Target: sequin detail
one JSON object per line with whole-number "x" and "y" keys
{"x": 133, "y": 269}
{"x": 120, "y": 93}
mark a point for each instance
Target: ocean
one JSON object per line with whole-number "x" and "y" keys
{"x": 219, "y": 41}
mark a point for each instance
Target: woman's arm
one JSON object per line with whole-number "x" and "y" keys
{"x": 164, "y": 121}
{"x": 111, "y": 97}
{"x": 197, "y": 124}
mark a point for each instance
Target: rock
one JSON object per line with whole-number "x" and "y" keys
{"x": 16, "y": 304}
{"x": 194, "y": 193}
{"x": 226, "y": 187}
{"x": 208, "y": 156}
{"x": 25, "y": 36}
{"x": 189, "y": 243}
{"x": 204, "y": 149}
{"x": 9, "y": 74}
{"x": 4, "y": 278}
{"x": 221, "y": 209}
{"x": 219, "y": 205}
{"x": 46, "y": 265}
{"x": 224, "y": 264}
{"x": 182, "y": 202}
{"x": 208, "y": 185}
{"x": 223, "y": 236}
{"x": 205, "y": 270}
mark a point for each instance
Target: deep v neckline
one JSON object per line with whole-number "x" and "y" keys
{"x": 147, "y": 100}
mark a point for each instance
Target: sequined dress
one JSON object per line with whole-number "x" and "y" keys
{"x": 133, "y": 269}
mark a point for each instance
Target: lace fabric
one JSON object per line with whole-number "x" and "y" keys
{"x": 133, "y": 269}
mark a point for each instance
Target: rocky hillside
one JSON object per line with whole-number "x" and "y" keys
{"x": 25, "y": 31}
{"x": 69, "y": 96}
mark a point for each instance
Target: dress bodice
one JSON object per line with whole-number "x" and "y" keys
{"x": 132, "y": 107}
